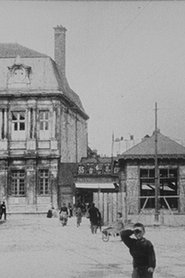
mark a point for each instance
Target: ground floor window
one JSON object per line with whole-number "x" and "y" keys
{"x": 18, "y": 182}
{"x": 44, "y": 182}
{"x": 168, "y": 188}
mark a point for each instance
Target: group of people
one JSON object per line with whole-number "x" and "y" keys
{"x": 66, "y": 212}
{"x": 141, "y": 249}
{"x": 92, "y": 213}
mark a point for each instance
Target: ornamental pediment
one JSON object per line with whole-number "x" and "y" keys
{"x": 18, "y": 75}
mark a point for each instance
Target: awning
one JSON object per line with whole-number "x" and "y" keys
{"x": 96, "y": 185}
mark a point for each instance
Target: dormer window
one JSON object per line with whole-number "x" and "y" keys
{"x": 19, "y": 75}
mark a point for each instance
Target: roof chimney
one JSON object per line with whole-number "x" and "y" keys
{"x": 59, "y": 52}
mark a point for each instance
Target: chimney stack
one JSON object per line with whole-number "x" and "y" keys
{"x": 59, "y": 52}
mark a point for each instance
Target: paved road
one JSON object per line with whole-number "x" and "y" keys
{"x": 38, "y": 247}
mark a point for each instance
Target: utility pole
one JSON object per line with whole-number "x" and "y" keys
{"x": 156, "y": 170}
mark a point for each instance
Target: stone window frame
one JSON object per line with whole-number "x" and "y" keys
{"x": 19, "y": 124}
{"x": 43, "y": 181}
{"x": 18, "y": 182}
{"x": 44, "y": 120}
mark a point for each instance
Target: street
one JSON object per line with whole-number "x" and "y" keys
{"x": 34, "y": 246}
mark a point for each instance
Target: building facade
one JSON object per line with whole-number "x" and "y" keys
{"x": 95, "y": 174}
{"x": 42, "y": 123}
{"x": 137, "y": 175}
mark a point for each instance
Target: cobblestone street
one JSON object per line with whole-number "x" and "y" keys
{"x": 38, "y": 247}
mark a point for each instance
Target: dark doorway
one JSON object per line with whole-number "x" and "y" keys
{"x": 84, "y": 196}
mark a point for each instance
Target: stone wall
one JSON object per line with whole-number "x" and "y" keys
{"x": 73, "y": 137}
{"x": 66, "y": 182}
{"x": 31, "y": 201}
{"x": 82, "y": 137}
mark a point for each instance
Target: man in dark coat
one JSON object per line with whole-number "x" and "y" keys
{"x": 3, "y": 210}
{"x": 94, "y": 217}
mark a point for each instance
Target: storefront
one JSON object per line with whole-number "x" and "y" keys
{"x": 84, "y": 191}
{"x": 97, "y": 174}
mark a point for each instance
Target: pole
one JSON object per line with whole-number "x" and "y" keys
{"x": 156, "y": 170}
{"x": 112, "y": 151}
{"x": 99, "y": 191}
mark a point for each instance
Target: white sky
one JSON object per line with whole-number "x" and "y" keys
{"x": 121, "y": 58}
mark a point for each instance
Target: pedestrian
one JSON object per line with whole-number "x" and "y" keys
{"x": 94, "y": 217}
{"x": 70, "y": 209}
{"x": 49, "y": 213}
{"x": 88, "y": 206}
{"x": 54, "y": 212}
{"x": 78, "y": 215}
{"x": 3, "y": 210}
{"x": 119, "y": 224}
{"x": 142, "y": 251}
{"x": 63, "y": 215}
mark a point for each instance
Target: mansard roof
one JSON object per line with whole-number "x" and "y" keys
{"x": 11, "y": 50}
{"x": 64, "y": 86}
{"x": 166, "y": 148}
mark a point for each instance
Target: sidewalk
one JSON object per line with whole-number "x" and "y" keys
{"x": 33, "y": 246}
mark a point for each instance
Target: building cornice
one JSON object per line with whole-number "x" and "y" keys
{"x": 14, "y": 93}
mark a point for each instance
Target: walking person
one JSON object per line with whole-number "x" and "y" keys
{"x": 78, "y": 215}
{"x": 70, "y": 209}
{"x": 142, "y": 251}
{"x": 94, "y": 217}
{"x": 3, "y": 210}
{"x": 63, "y": 215}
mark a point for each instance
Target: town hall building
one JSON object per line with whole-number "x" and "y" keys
{"x": 43, "y": 125}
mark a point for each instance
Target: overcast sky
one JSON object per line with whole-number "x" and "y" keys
{"x": 121, "y": 58}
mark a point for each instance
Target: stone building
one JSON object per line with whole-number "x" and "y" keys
{"x": 43, "y": 126}
{"x": 137, "y": 175}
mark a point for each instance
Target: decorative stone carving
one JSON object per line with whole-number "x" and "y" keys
{"x": 18, "y": 75}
